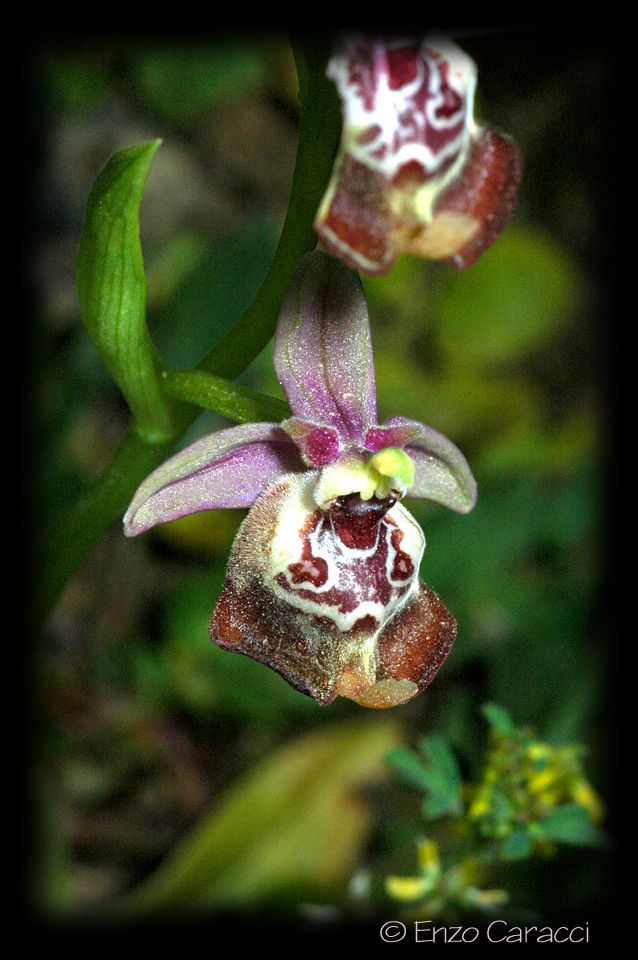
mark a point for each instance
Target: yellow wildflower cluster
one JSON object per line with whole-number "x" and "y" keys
{"x": 531, "y": 796}
{"x": 525, "y": 779}
{"x": 435, "y": 888}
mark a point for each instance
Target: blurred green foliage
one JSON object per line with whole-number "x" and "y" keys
{"x": 272, "y": 841}
{"x": 179, "y": 83}
{"x": 145, "y": 731}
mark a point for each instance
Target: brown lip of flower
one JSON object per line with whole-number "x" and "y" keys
{"x": 377, "y": 664}
{"x": 418, "y": 180}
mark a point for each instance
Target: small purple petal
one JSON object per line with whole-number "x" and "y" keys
{"x": 323, "y": 349}
{"x": 390, "y": 434}
{"x": 442, "y": 473}
{"x": 319, "y": 446}
{"x": 230, "y": 468}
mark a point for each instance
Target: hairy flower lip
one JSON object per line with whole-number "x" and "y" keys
{"x": 284, "y": 605}
{"x": 414, "y": 172}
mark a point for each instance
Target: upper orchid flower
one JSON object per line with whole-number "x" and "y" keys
{"x": 414, "y": 172}
{"x": 322, "y": 583}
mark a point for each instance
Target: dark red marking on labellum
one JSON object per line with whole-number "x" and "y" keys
{"x": 291, "y": 618}
{"x": 356, "y": 521}
{"x": 351, "y": 559}
{"x": 402, "y": 66}
{"x": 402, "y": 94}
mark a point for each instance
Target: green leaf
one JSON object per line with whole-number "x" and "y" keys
{"x": 111, "y": 285}
{"x": 518, "y": 845}
{"x": 570, "y": 823}
{"x": 437, "y": 775}
{"x": 409, "y": 768}
{"x": 498, "y": 718}
{"x": 444, "y": 791}
{"x": 293, "y": 827}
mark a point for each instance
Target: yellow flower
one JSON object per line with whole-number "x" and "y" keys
{"x": 539, "y": 782}
{"x": 428, "y": 856}
{"x": 406, "y": 889}
{"x": 480, "y": 805}
{"x": 539, "y": 751}
{"x": 584, "y": 794}
{"x": 418, "y": 888}
{"x": 486, "y": 899}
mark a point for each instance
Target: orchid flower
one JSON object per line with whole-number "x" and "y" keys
{"x": 323, "y": 584}
{"x": 414, "y": 172}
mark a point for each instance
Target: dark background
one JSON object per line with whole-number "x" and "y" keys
{"x": 140, "y": 728}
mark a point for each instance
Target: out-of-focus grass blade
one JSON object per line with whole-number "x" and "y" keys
{"x": 292, "y": 828}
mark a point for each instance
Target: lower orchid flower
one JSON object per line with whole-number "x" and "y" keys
{"x": 323, "y": 583}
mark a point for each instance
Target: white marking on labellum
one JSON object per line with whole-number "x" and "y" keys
{"x": 389, "y": 126}
{"x": 322, "y": 565}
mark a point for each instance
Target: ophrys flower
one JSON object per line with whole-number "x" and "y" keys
{"x": 414, "y": 171}
{"x": 323, "y": 581}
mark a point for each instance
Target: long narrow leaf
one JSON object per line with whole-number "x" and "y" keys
{"x": 111, "y": 287}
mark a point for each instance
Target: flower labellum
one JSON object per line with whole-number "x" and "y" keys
{"x": 414, "y": 172}
{"x": 323, "y": 583}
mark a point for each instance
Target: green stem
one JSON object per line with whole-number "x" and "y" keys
{"x": 76, "y": 531}
{"x": 86, "y": 521}
{"x": 318, "y": 139}
{"x": 230, "y": 400}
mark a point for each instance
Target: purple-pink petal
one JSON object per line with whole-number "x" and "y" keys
{"x": 323, "y": 348}
{"x": 441, "y": 473}
{"x": 229, "y": 468}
